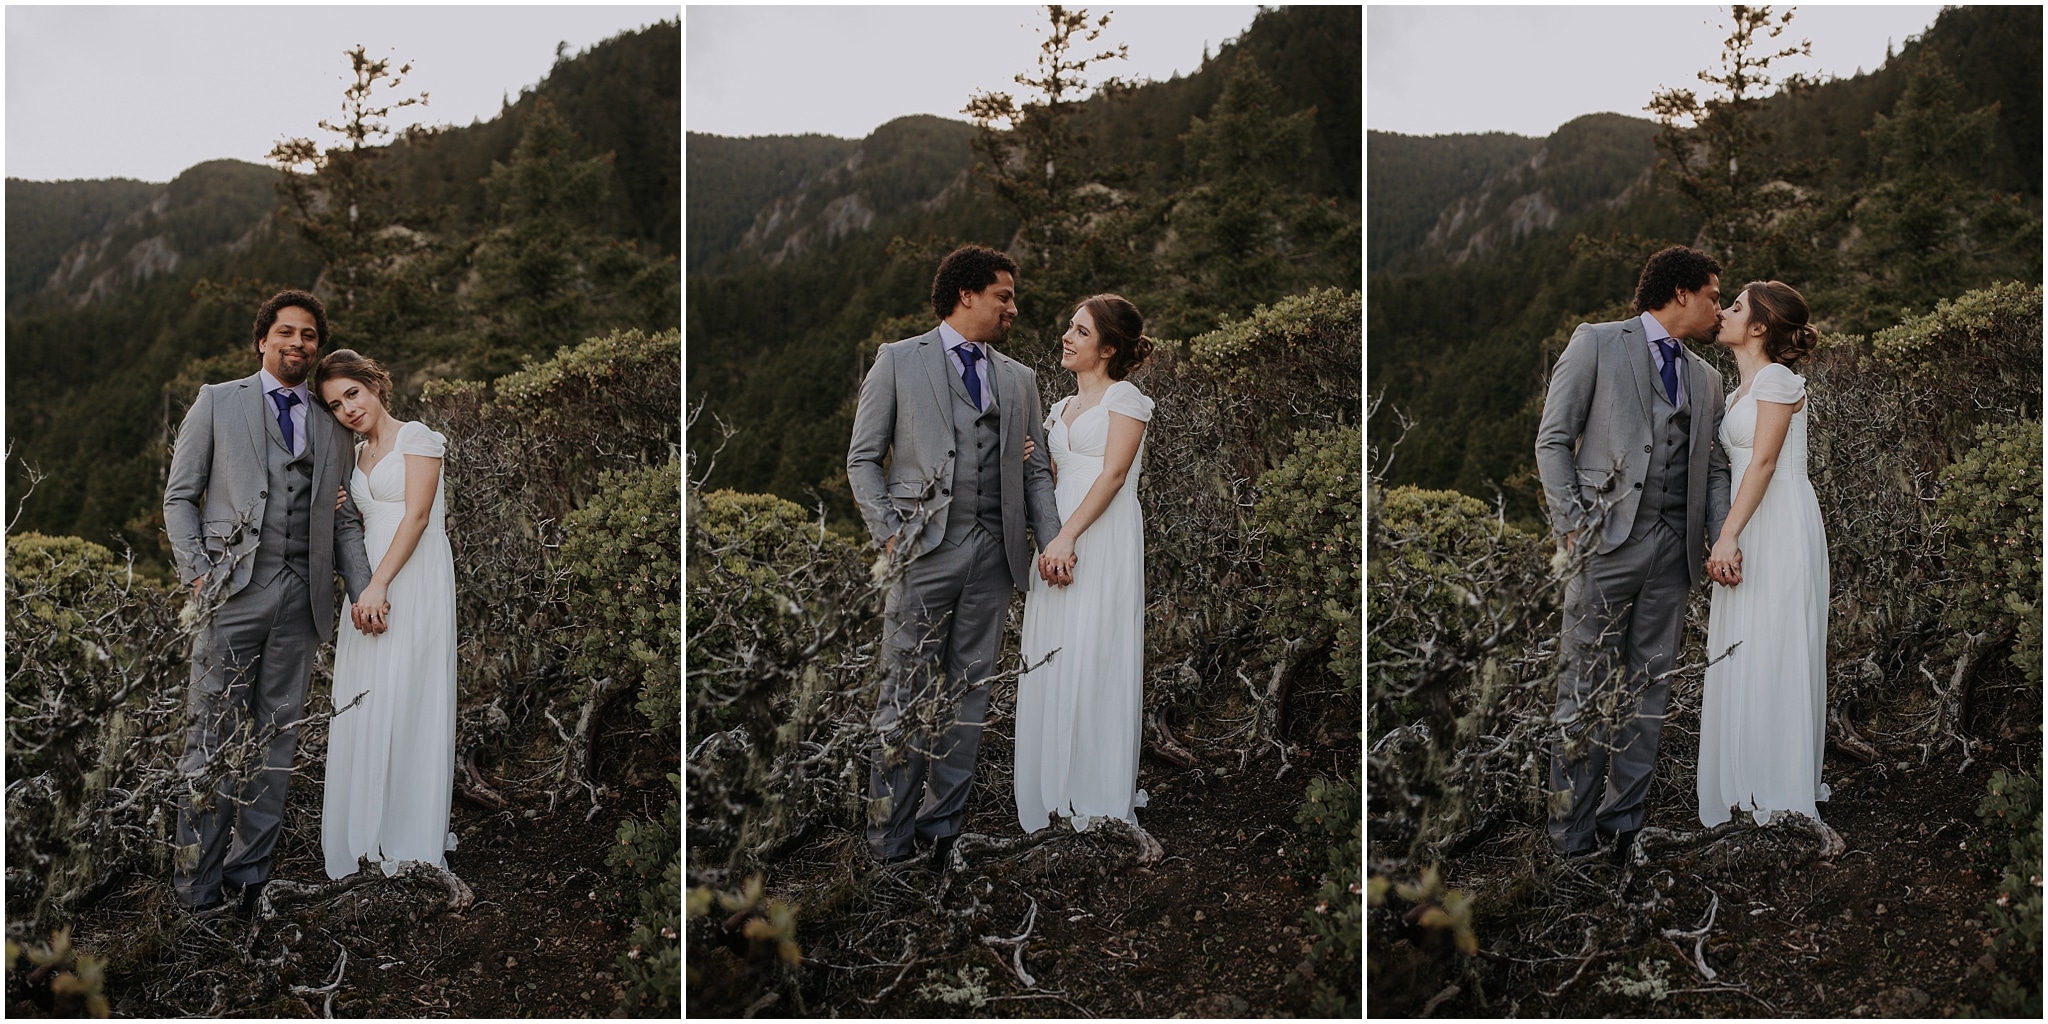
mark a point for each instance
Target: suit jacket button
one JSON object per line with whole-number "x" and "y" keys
{"x": 949, "y": 490}
{"x": 1646, "y": 449}
{"x": 1639, "y": 487}
{"x": 263, "y": 494}
{"x": 949, "y": 454}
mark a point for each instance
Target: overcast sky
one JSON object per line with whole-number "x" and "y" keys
{"x": 145, "y": 92}
{"x": 1441, "y": 70}
{"x": 846, "y": 70}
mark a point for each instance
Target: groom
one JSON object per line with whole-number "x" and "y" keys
{"x": 952, "y": 415}
{"x": 1633, "y": 475}
{"x": 252, "y": 519}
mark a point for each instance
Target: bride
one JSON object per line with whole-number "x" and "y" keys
{"x": 1765, "y": 711}
{"x": 391, "y": 757}
{"x": 1079, "y": 714}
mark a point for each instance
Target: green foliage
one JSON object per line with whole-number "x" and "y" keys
{"x": 1991, "y": 504}
{"x": 59, "y": 590}
{"x": 79, "y": 985}
{"x": 1294, "y": 363}
{"x": 1242, "y": 234}
{"x": 1309, "y": 508}
{"x": 2011, "y": 811}
{"x": 780, "y": 610}
{"x": 1976, "y": 356}
{"x": 647, "y": 862}
{"x": 1329, "y": 820}
{"x": 624, "y": 557}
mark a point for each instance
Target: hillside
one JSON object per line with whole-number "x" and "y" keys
{"x": 160, "y": 279}
{"x": 800, "y": 272}
{"x": 1478, "y": 283}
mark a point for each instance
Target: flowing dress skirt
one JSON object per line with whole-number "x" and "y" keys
{"x": 391, "y": 758}
{"x": 1763, "y": 720}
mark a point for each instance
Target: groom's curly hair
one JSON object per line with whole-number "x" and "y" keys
{"x": 1670, "y": 270}
{"x": 968, "y": 268}
{"x": 267, "y": 315}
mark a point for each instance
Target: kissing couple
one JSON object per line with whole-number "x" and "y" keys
{"x": 971, "y": 490}
{"x": 1657, "y": 481}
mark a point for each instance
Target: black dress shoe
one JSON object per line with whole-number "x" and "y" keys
{"x": 942, "y": 852}
{"x": 251, "y": 895}
{"x": 1624, "y": 845}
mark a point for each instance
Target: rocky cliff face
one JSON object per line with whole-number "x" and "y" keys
{"x": 216, "y": 205}
{"x": 1595, "y": 162}
{"x": 909, "y": 165}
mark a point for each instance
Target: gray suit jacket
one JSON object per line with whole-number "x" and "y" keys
{"x": 904, "y": 408}
{"x": 214, "y": 500}
{"x": 1593, "y": 446}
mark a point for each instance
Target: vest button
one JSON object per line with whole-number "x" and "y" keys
{"x": 981, "y": 444}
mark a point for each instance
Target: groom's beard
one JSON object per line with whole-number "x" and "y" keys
{"x": 291, "y": 378}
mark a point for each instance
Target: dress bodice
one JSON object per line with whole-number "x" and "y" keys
{"x": 380, "y": 492}
{"x": 1773, "y": 383}
{"x": 1088, "y": 436}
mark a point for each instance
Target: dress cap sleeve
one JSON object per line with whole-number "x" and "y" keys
{"x": 1124, "y": 397}
{"x": 1052, "y": 415}
{"x": 1777, "y": 383}
{"x": 416, "y": 438}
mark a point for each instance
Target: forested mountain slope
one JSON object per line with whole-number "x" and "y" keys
{"x": 1478, "y": 281}
{"x": 124, "y": 296}
{"x": 795, "y": 277}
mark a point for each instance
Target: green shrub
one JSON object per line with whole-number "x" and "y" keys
{"x": 647, "y": 861}
{"x": 1991, "y": 504}
{"x": 2011, "y": 810}
{"x": 624, "y": 554}
{"x": 1293, "y": 365}
{"x": 1330, "y": 822}
{"x": 781, "y": 627}
{"x": 1308, "y": 508}
{"x": 96, "y": 669}
{"x": 1977, "y": 356}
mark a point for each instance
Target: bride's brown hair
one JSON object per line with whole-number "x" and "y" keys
{"x": 348, "y": 364}
{"x": 1119, "y": 325}
{"x": 1788, "y": 336}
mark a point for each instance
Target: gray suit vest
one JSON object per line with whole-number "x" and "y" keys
{"x": 977, "y": 469}
{"x": 1664, "y": 487}
{"x": 287, "y": 514}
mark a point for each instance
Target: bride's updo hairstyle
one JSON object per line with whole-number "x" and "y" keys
{"x": 1118, "y": 325}
{"x": 348, "y": 364}
{"x": 1788, "y": 337}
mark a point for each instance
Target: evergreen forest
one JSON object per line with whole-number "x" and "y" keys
{"x": 1905, "y": 204}
{"x": 1226, "y": 206}
{"x": 520, "y": 277}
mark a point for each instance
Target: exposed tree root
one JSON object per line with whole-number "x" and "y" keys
{"x": 1846, "y": 739}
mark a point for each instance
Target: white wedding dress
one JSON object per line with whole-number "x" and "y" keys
{"x": 1080, "y": 714}
{"x": 391, "y": 758}
{"x": 1764, "y": 717}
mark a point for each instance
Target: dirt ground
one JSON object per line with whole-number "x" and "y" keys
{"x": 1214, "y": 929}
{"x": 541, "y": 940}
{"x": 1896, "y": 925}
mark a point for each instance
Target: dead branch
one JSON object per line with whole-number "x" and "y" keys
{"x": 1016, "y": 944}
{"x": 1699, "y": 935}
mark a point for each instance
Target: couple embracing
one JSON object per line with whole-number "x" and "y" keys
{"x": 267, "y": 501}
{"x": 1655, "y": 480}
{"x": 972, "y": 491}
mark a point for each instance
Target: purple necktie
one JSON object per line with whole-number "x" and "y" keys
{"x": 968, "y": 354}
{"x": 285, "y": 399}
{"x": 1669, "y": 346}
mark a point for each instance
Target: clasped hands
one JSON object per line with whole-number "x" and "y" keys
{"x": 1056, "y": 562}
{"x": 1724, "y": 564}
{"x": 372, "y": 611}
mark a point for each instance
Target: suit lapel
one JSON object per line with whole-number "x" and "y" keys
{"x": 933, "y": 350}
{"x": 1699, "y": 391}
{"x": 1636, "y": 348}
{"x": 262, "y": 426}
